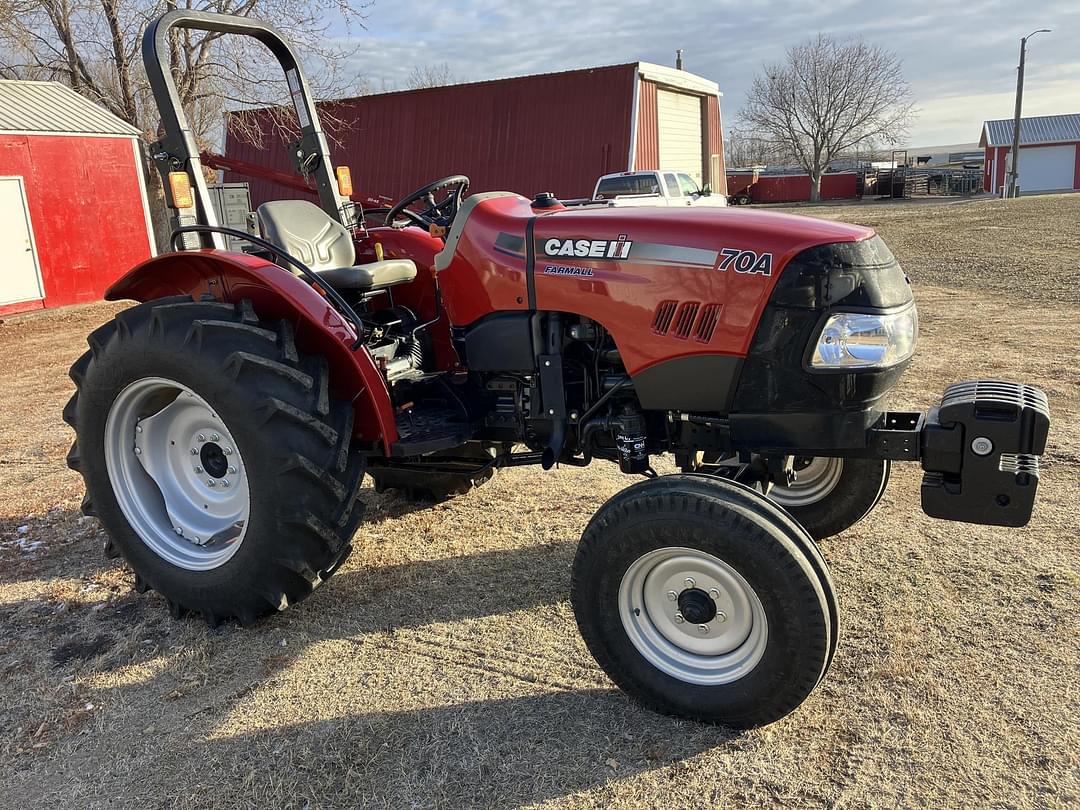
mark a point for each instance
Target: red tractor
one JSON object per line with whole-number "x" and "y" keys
{"x": 224, "y": 424}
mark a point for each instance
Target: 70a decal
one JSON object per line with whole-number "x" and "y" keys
{"x": 745, "y": 261}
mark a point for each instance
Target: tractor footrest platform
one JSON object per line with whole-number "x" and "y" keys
{"x": 426, "y": 430}
{"x": 980, "y": 452}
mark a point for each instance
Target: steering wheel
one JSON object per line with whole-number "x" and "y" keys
{"x": 439, "y": 213}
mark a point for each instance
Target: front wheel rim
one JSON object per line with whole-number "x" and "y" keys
{"x": 816, "y": 478}
{"x": 692, "y": 616}
{"x": 177, "y": 474}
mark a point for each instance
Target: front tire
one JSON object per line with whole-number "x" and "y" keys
{"x": 214, "y": 456}
{"x": 830, "y": 495}
{"x": 701, "y": 599}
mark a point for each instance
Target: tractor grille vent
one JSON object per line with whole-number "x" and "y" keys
{"x": 662, "y": 319}
{"x": 710, "y": 316}
{"x": 684, "y": 319}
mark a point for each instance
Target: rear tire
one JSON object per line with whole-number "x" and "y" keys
{"x": 747, "y": 573}
{"x": 270, "y": 401}
{"x": 834, "y": 493}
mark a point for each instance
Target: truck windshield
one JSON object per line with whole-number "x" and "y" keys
{"x": 688, "y": 186}
{"x": 611, "y": 187}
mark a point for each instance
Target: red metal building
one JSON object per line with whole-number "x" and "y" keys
{"x": 73, "y": 208}
{"x": 1049, "y": 153}
{"x": 553, "y": 132}
{"x": 781, "y": 188}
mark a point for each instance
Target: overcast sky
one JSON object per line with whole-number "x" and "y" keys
{"x": 959, "y": 57}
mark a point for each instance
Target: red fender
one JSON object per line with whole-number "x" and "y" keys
{"x": 276, "y": 294}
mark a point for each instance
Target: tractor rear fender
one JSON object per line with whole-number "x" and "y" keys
{"x": 276, "y": 294}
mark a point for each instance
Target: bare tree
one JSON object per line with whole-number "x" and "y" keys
{"x": 746, "y": 148}
{"x": 829, "y": 97}
{"x": 93, "y": 46}
{"x": 438, "y": 75}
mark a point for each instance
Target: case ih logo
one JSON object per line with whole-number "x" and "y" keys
{"x": 590, "y": 248}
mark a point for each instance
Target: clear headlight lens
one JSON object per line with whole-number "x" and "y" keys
{"x": 860, "y": 340}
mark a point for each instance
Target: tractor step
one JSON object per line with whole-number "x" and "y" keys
{"x": 424, "y": 430}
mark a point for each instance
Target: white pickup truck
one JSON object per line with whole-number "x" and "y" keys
{"x": 653, "y": 188}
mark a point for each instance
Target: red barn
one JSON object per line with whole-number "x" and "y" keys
{"x": 1049, "y": 153}
{"x": 73, "y": 207}
{"x": 552, "y": 132}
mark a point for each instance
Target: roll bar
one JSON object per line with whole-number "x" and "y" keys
{"x": 176, "y": 150}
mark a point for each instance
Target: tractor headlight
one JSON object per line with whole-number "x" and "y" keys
{"x": 853, "y": 340}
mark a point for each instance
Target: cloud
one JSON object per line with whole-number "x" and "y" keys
{"x": 942, "y": 119}
{"x": 960, "y": 57}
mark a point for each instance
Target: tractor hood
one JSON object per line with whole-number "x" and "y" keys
{"x": 666, "y": 283}
{"x": 673, "y": 235}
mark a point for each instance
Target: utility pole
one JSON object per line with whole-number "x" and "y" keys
{"x": 1014, "y": 163}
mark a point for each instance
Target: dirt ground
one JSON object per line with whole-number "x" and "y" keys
{"x": 442, "y": 666}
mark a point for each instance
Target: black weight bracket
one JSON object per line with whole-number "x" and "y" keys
{"x": 980, "y": 452}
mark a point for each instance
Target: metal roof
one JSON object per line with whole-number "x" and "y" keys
{"x": 1037, "y": 129}
{"x": 677, "y": 77}
{"x": 50, "y": 107}
{"x": 656, "y": 73}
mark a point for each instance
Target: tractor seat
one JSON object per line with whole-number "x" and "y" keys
{"x": 306, "y": 232}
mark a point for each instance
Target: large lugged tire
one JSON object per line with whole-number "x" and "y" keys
{"x": 214, "y": 456}
{"x": 833, "y": 494}
{"x": 435, "y": 487}
{"x": 701, "y": 599}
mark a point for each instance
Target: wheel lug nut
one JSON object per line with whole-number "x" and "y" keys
{"x": 672, "y": 595}
{"x": 714, "y": 593}
{"x": 179, "y": 531}
{"x": 215, "y": 437}
{"x": 689, "y": 582}
{"x": 194, "y": 451}
{"x": 210, "y": 482}
{"x": 679, "y": 618}
{"x": 232, "y": 470}
{"x": 198, "y": 470}
{"x": 227, "y": 451}
{"x": 704, "y": 628}
{"x": 721, "y": 617}
{"x": 138, "y": 451}
{"x": 224, "y": 482}
{"x": 138, "y": 428}
{"x": 201, "y": 437}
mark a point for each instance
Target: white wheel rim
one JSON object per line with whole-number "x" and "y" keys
{"x": 177, "y": 474}
{"x": 814, "y": 481}
{"x": 719, "y": 650}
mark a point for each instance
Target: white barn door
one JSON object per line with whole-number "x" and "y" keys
{"x": 20, "y": 279}
{"x": 1046, "y": 168}
{"x": 679, "y": 120}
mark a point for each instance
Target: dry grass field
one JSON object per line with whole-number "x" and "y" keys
{"x": 442, "y": 666}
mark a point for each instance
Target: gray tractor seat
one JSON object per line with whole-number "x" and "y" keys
{"x": 306, "y": 232}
